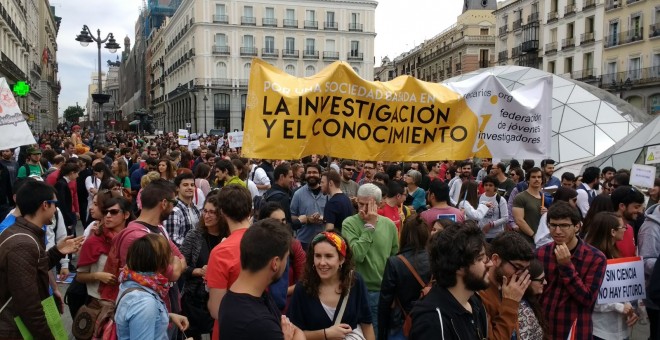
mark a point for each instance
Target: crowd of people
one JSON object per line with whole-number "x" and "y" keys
{"x": 181, "y": 243}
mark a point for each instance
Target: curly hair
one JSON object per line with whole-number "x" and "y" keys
{"x": 311, "y": 279}
{"x": 458, "y": 246}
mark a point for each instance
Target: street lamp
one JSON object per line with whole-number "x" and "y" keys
{"x": 205, "y": 99}
{"x": 620, "y": 86}
{"x": 85, "y": 37}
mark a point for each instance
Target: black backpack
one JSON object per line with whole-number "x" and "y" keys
{"x": 258, "y": 202}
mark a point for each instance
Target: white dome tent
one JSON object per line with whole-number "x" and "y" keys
{"x": 631, "y": 149}
{"x": 585, "y": 119}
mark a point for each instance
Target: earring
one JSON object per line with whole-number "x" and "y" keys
{"x": 340, "y": 266}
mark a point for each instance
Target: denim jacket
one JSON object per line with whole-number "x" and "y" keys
{"x": 141, "y": 314}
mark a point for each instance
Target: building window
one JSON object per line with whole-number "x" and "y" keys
{"x": 290, "y": 14}
{"x": 248, "y": 11}
{"x": 551, "y": 67}
{"x": 356, "y": 70}
{"x": 330, "y": 45}
{"x": 355, "y": 48}
{"x": 246, "y": 70}
{"x": 220, "y": 40}
{"x": 270, "y": 13}
{"x": 248, "y": 41}
{"x": 310, "y": 71}
{"x": 310, "y": 15}
{"x": 611, "y": 67}
{"x": 221, "y": 102}
{"x": 269, "y": 45}
{"x": 290, "y": 44}
{"x": 290, "y": 69}
{"x": 483, "y": 31}
{"x": 568, "y": 65}
{"x": 484, "y": 57}
{"x": 634, "y": 68}
{"x": 636, "y": 25}
{"x": 309, "y": 46}
{"x": 221, "y": 70}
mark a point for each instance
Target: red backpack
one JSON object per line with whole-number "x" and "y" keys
{"x": 426, "y": 287}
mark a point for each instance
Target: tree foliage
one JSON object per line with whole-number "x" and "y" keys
{"x": 73, "y": 113}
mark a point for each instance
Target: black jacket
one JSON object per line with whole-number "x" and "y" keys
{"x": 440, "y": 316}
{"x": 653, "y": 292}
{"x": 282, "y": 196}
{"x": 399, "y": 283}
{"x": 65, "y": 201}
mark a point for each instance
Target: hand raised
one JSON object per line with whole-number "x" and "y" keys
{"x": 515, "y": 287}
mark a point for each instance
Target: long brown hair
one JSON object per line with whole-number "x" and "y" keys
{"x": 535, "y": 270}
{"x": 311, "y": 280}
{"x": 600, "y": 233}
{"x": 223, "y": 228}
{"x": 472, "y": 197}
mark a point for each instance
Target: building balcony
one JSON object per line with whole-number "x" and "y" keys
{"x": 644, "y": 76}
{"x": 517, "y": 24}
{"x": 530, "y": 60}
{"x": 248, "y": 21}
{"x": 515, "y": 52}
{"x": 552, "y": 17}
{"x": 503, "y": 55}
{"x": 249, "y": 51}
{"x": 624, "y": 38}
{"x": 330, "y": 55}
{"x": 569, "y": 10}
{"x": 355, "y": 56}
{"x": 331, "y": 25}
{"x": 567, "y": 44}
{"x": 632, "y": 2}
{"x": 587, "y": 38}
{"x": 589, "y": 4}
{"x": 219, "y": 81}
{"x": 585, "y": 74}
{"x": 290, "y": 23}
{"x": 289, "y": 54}
{"x": 269, "y": 22}
{"x": 270, "y": 53}
{"x": 310, "y": 54}
{"x": 224, "y": 50}
{"x": 503, "y": 30}
{"x": 355, "y": 27}
{"x": 551, "y": 48}
{"x": 222, "y": 19}
{"x": 534, "y": 17}
{"x": 613, "y": 4}
{"x": 530, "y": 46}
{"x": 654, "y": 31}
{"x": 311, "y": 24}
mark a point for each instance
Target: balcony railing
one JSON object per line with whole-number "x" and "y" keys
{"x": 355, "y": 27}
{"x": 517, "y": 24}
{"x": 638, "y": 76}
{"x": 223, "y": 19}
{"x": 310, "y": 54}
{"x": 534, "y": 17}
{"x": 290, "y": 23}
{"x": 567, "y": 43}
{"x": 330, "y": 55}
{"x": 250, "y": 51}
{"x": 311, "y": 24}
{"x": 515, "y": 52}
{"x": 221, "y": 49}
{"x": 503, "y": 55}
{"x": 587, "y": 38}
{"x": 331, "y": 25}
{"x": 269, "y": 22}
{"x": 270, "y": 53}
{"x": 530, "y": 46}
{"x": 589, "y": 73}
{"x": 290, "y": 53}
{"x": 551, "y": 48}
{"x": 249, "y": 21}
{"x": 635, "y": 35}
{"x": 625, "y": 37}
{"x": 503, "y": 30}
{"x": 569, "y": 10}
{"x": 552, "y": 17}
{"x": 355, "y": 56}
{"x": 630, "y": 2}
{"x": 613, "y": 4}
{"x": 589, "y": 4}
{"x": 654, "y": 31}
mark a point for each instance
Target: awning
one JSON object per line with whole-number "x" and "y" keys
{"x": 133, "y": 123}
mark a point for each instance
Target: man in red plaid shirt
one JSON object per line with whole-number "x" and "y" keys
{"x": 574, "y": 271}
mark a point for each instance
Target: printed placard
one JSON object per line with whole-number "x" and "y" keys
{"x": 624, "y": 281}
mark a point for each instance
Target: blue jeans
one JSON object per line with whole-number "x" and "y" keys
{"x": 396, "y": 334}
{"x": 373, "y": 307}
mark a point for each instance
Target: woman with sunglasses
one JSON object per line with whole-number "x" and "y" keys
{"x": 516, "y": 175}
{"x": 531, "y": 319}
{"x": 610, "y": 320}
{"x": 328, "y": 284}
{"x": 196, "y": 248}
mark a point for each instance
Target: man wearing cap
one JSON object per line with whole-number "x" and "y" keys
{"x": 32, "y": 164}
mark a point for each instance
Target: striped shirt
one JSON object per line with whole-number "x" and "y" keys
{"x": 182, "y": 219}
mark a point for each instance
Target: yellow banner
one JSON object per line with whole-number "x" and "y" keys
{"x": 337, "y": 113}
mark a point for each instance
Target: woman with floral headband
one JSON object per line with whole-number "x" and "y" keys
{"x": 331, "y": 300}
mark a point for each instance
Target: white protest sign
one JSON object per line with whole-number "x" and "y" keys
{"x": 183, "y": 136}
{"x": 235, "y": 139}
{"x": 13, "y": 127}
{"x": 193, "y": 144}
{"x": 642, "y": 175}
{"x": 652, "y": 155}
{"x": 624, "y": 281}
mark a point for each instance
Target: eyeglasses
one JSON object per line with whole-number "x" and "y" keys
{"x": 539, "y": 280}
{"x": 210, "y": 212}
{"x": 112, "y": 212}
{"x": 171, "y": 200}
{"x": 519, "y": 268}
{"x": 561, "y": 226}
{"x": 52, "y": 201}
{"x": 369, "y": 168}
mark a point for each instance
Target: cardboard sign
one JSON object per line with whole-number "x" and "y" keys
{"x": 642, "y": 175}
{"x": 183, "y": 136}
{"x": 624, "y": 281}
{"x": 235, "y": 139}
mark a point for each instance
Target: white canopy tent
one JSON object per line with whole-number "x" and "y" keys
{"x": 586, "y": 120}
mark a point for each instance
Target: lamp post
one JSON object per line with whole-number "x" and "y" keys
{"x": 620, "y": 86}
{"x": 205, "y": 99}
{"x": 85, "y": 37}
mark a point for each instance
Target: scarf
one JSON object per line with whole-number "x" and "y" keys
{"x": 95, "y": 246}
{"x": 154, "y": 281}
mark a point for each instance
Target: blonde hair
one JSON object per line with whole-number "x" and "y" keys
{"x": 148, "y": 178}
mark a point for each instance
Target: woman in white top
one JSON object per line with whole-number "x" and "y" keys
{"x": 100, "y": 172}
{"x": 469, "y": 202}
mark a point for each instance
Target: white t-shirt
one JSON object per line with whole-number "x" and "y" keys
{"x": 259, "y": 177}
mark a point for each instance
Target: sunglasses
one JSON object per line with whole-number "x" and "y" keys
{"x": 350, "y": 169}
{"x": 112, "y": 212}
{"x": 513, "y": 174}
{"x": 52, "y": 201}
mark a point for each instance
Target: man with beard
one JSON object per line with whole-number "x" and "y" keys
{"x": 509, "y": 277}
{"x": 348, "y": 186}
{"x": 451, "y": 310}
{"x": 548, "y": 166}
{"x": 369, "y": 169}
{"x": 185, "y": 215}
{"x": 629, "y": 204}
{"x": 587, "y": 190}
{"x": 307, "y": 206}
{"x": 574, "y": 271}
{"x": 527, "y": 207}
{"x": 247, "y": 311}
{"x": 339, "y": 206}
{"x": 455, "y": 189}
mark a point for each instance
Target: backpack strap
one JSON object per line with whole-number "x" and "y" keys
{"x": 412, "y": 270}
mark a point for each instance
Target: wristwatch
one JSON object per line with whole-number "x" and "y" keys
{"x": 369, "y": 226}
